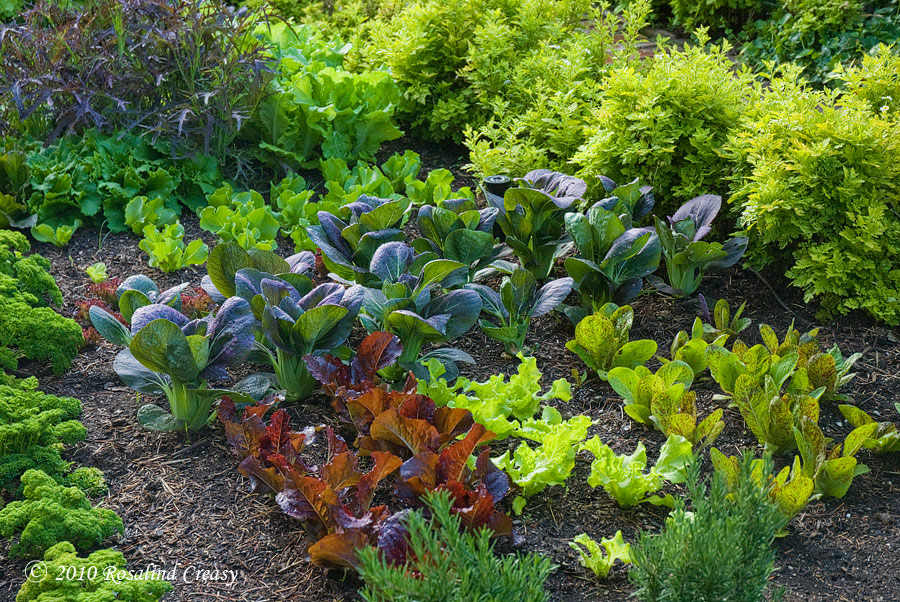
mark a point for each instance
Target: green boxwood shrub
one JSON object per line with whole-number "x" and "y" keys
{"x": 715, "y": 14}
{"x": 666, "y": 123}
{"x": 818, "y": 190}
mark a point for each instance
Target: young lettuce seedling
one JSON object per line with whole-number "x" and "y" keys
{"x": 167, "y": 251}
{"x": 832, "y": 469}
{"x": 59, "y": 236}
{"x": 663, "y": 400}
{"x": 600, "y": 557}
{"x": 601, "y": 341}
{"x": 886, "y": 437}
{"x": 623, "y": 477}
{"x": 789, "y": 490}
{"x": 721, "y": 322}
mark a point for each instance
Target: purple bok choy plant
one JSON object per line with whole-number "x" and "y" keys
{"x": 171, "y": 354}
{"x": 686, "y": 255}
{"x": 297, "y": 325}
{"x": 410, "y": 305}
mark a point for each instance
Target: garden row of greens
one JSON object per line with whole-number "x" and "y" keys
{"x": 808, "y": 173}
{"x": 42, "y": 499}
{"x": 420, "y": 433}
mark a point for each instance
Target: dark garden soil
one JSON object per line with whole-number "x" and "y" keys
{"x": 185, "y": 506}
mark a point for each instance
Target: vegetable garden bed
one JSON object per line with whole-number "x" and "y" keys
{"x": 184, "y": 504}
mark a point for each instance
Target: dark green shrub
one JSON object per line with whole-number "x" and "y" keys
{"x": 715, "y": 14}
{"x": 447, "y": 565}
{"x": 721, "y": 551}
{"x": 667, "y": 123}
{"x": 820, "y": 35}
{"x": 818, "y": 197}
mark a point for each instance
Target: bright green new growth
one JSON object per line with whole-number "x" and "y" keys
{"x": 500, "y": 404}
{"x": 50, "y": 514}
{"x": 451, "y": 565}
{"x": 58, "y": 237}
{"x": 816, "y": 188}
{"x": 875, "y": 81}
{"x": 667, "y": 123}
{"x": 601, "y": 341}
{"x": 691, "y": 348}
{"x": 552, "y": 461}
{"x": 723, "y": 323}
{"x": 600, "y": 557}
{"x": 89, "y": 479}
{"x": 97, "y": 272}
{"x": 549, "y": 93}
{"x": 141, "y": 212}
{"x": 721, "y": 551}
{"x": 241, "y": 217}
{"x": 167, "y": 251}
{"x": 623, "y": 476}
{"x": 101, "y": 578}
{"x": 28, "y": 328}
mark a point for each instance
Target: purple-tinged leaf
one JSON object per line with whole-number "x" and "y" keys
{"x": 564, "y": 189}
{"x": 304, "y": 263}
{"x": 231, "y": 333}
{"x": 735, "y": 247}
{"x": 702, "y": 210}
{"x": 551, "y": 295}
{"x": 146, "y": 314}
{"x": 391, "y": 260}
